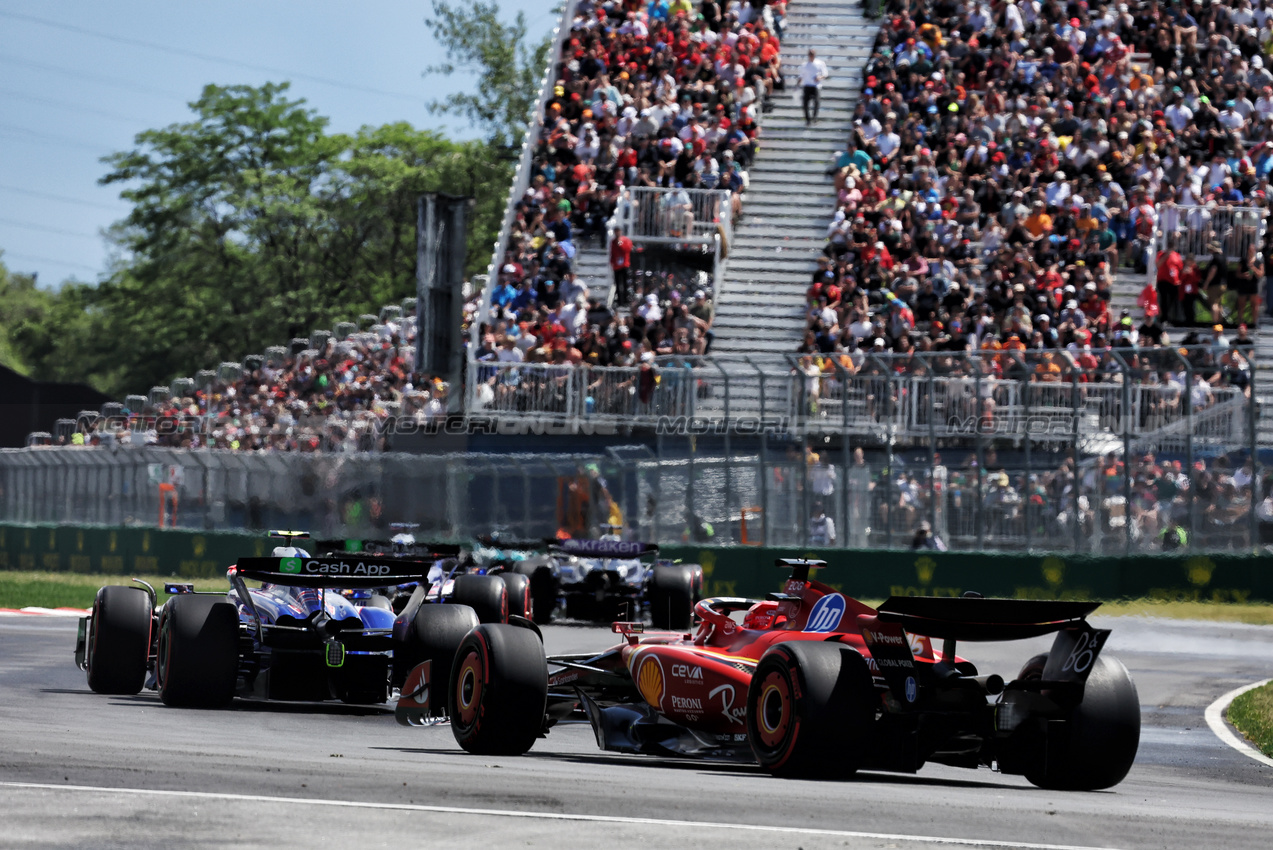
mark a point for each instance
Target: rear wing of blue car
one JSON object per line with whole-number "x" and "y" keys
{"x": 603, "y": 548}
{"x": 354, "y": 544}
{"x": 343, "y": 570}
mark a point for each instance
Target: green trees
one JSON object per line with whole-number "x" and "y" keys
{"x": 250, "y": 225}
{"x": 506, "y": 68}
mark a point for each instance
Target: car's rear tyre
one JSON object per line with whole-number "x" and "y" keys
{"x": 119, "y": 640}
{"x": 544, "y": 591}
{"x": 519, "y": 601}
{"x": 671, "y": 597}
{"x": 486, "y": 595}
{"x": 499, "y": 690}
{"x": 810, "y": 708}
{"x": 435, "y": 636}
{"x": 198, "y": 655}
{"x": 1102, "y": 734}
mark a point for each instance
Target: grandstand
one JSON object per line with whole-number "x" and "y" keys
{"x": 1014, "y": 237}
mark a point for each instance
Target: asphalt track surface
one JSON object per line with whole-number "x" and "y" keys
{"x": 81, "y": 770}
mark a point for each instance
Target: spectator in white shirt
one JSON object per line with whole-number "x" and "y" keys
{"x": 812, "y": 73}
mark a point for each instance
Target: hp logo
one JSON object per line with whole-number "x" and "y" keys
{"x": 912, "y": 690}
{"x": 826, "y": 614}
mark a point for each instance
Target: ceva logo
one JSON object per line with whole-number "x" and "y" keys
{"x": 289, "y": 565}
{"x": 826, "y": 614}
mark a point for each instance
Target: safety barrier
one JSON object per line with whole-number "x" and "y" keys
{"x": 728, "y": 571}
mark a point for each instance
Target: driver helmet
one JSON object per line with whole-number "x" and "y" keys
{"x": 289, "y": 552}
{"x": 402, "y": 544}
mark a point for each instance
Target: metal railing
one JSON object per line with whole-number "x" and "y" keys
{"x": 1190, "y": 230}
{"x": 982, "y": 497}
{"x": 675, "y": 216}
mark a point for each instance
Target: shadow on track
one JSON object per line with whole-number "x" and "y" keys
{"x": 713, "y": 768}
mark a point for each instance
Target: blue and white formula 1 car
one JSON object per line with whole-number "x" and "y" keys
{"x": 295, "y": 637}
{"x": 604, "y": 580}
{"x": 446, "y": 576}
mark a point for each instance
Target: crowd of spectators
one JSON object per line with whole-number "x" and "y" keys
{"x": 330, "y": 399}
{"x": 651, "y": 94}
{"x": 1008, "y": 158}
{"x": 995, "y": 502}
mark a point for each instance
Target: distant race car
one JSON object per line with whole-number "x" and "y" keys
{"x": 814, "y": 683}
{"x": 601, "y": 580}
{"x": 450, "y": 562}
{"x": 296, "y": 637}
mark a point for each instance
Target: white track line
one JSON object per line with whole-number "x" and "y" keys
{"x": 511, "y": 813}
{"x": 1215, "y": 719}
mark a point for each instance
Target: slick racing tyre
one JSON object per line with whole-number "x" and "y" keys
{"x": 544, "y": 591}
{"x": 198, "y": 656}
{"x": 499, "y": 690}
{"x": 671, "y": 597}
{"x": 810, "y": 708}
{"x": 486, "y": 595}
{"x": 1102, "y": 734}
{"x": 519, "y": 601}
{"x": 435, "y": 637}
{"x": 119, "y": 640}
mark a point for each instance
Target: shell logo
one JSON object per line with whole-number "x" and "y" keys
{"x": 650, "y": 681}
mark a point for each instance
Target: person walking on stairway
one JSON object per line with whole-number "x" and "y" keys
{"x": 812, "y": 73}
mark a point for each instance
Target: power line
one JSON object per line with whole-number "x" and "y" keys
{"x": 49, "y": 137}
{"x": 60, "y": 198}
{"x": 42, "y": 228}
{"x": 31, "y": 258}
{"x": 74, "y": 107}
{"x": 96, "y": 78}
{"x": 221, "y": 60}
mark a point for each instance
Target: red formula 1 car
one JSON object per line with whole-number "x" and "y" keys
{"x": 813, "y": 683}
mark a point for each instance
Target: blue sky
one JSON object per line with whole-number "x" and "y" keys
{"x": 78, "y": 81}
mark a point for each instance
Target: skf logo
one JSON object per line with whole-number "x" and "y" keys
{"x": 650, "y": 681}
{"x": 688, "y": 673}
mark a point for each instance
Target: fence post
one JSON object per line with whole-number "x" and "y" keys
{"x": 933, "y": 492}
{"x": 1253, "y": 527}
{"x": 1192, "y": 501}
{"x": 1078, "y": 480}
{"x": 1029, "y": 457}
{"x": 979, "y": 507}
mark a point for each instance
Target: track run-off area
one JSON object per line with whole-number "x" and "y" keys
{"x": 78, "y": 769}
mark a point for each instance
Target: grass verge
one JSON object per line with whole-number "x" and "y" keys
{"x": 1252, "y": 715}
{"x": 1256, "y": 613}
{"x": 20, "y": 589}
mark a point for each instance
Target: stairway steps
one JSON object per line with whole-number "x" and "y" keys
{"x": 791, "y": 198}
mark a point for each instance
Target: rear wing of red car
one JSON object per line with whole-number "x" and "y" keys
{"x": 1073, "y": 653}
{"x": 343, "y": 570}
{"x": 977, "y": 619}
